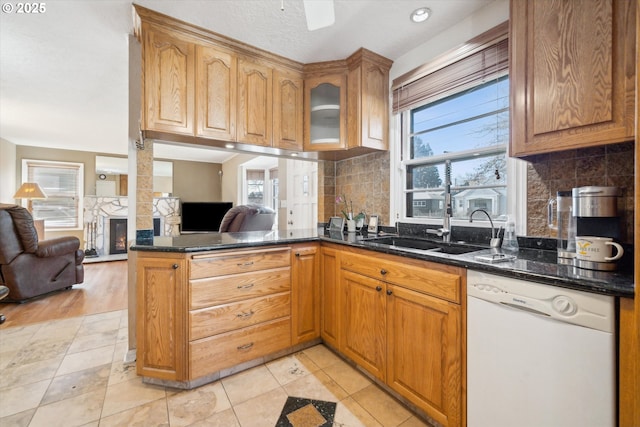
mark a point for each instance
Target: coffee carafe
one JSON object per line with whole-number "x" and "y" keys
{"x": 562, "y": 220}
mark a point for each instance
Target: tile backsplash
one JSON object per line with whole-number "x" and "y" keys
{"x": 610, "y": 165}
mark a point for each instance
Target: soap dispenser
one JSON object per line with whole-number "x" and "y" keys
{"x": 510, "y": 241}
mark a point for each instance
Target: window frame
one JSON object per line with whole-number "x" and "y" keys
{"x": 27, "y": 164}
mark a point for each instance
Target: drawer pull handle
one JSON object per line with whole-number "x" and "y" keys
{"x": 244, "y": 264}
{"x": 389, "y": 292}
{"x": 247, "y": 286}
{"x": 245, "y": 347}
{"x": 175, "y": 266}
{"x": 383, "y": 271}
{"x": 242, "y": 315}
{"x": 378, "y": 288}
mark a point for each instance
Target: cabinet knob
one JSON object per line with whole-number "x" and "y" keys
{"x": 389, "y": 291}
{"x": 297, "y": 254}
{"x": 378, "y": 288}
{"x": 383, "y": 271}
{"x": 175, "y": 266}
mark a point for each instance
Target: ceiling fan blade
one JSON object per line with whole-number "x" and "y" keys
{"x": 319, "y": 13}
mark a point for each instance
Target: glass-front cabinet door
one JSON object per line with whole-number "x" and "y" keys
{"x": 325, "y": 113}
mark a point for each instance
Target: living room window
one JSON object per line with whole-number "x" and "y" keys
{"x": 62, "y": 182}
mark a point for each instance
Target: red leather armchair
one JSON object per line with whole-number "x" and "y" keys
{"x": 30, "y": 268}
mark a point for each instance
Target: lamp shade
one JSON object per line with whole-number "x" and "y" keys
{"x": 30, "y": 190}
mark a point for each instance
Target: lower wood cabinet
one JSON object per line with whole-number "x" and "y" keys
{"x": 401, "y": 320}
{"x": 330, "y": 298}
{"x": 305, "y": 292}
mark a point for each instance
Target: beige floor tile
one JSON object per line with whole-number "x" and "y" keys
{"x": 89, "y": 342}
{"x": 129, "y": 394}
{"x": 30, "y": 372}
{"x": 347, "y": 377}
{"x": 263, "y": 410}
{"x": 123, "y": 335}
{"x": 15, "y": 337}
{"x": 321, "y": 356}
{"x": 86, "y": 359}
{"x": 291, "y": 368}
{"x": 99, "y": 317}
{"x": 223, "y": 419}
{"x": 59, "y": 330}
{"x": 152, "y": 414}
{"x": 77, "y": 383}
{"x": 36, "y": 351}
{"x": 248, "y": 384}
{"x": 121, "y": 371}
{"x": 76, "y": 411}
{"x": 18, "y": 399}
{"x": 21, "y": 419}
{"x": 105, "y": 325}
{"x": 317, "y": 386}
{"x": 415, "y": 422}
{"x": 188, "y": 407}
{"x": 350, "y": 414}
{"x": 384, "y": 408}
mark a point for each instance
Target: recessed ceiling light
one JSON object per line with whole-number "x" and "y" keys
{"x": 420, "y": 14}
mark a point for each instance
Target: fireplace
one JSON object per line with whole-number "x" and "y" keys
{"x": 117, "y": 232}
{"x": 117, "y": 236}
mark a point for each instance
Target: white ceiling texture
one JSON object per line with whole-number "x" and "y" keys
{"x": 64, "y": 72}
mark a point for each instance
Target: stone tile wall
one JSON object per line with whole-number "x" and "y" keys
{"x": 610, "y": 165}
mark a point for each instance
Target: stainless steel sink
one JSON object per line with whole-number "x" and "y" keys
{"x": 422, "y": 244}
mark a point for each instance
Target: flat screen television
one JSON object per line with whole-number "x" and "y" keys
{"x": 203, "y": 216}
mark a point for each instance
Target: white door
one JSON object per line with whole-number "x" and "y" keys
{"x": 302, "y": 194}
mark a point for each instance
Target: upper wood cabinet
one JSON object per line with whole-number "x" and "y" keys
{"x": 168, "y": 76}
{"x": 572, "y": 74}
{"x": 216, "y": 83}
{"x": 288, "y": 101}
{"x": 325, "y": 122}
{"x": 368, "y": 100}
{"x": 255, "y": 97}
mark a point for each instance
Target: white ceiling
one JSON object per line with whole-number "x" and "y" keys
{"x": 64, "y": 73}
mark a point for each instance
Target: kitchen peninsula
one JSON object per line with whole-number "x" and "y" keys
{"x": 212, "y": 304}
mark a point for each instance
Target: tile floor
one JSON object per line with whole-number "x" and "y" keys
{"x": 71, "y": 373}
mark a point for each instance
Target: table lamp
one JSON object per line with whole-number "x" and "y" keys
{"x": 30, "y": 191}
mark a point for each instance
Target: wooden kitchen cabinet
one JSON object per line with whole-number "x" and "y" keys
{"x": 364, "y": 322}
{"x": 305, "y": 293}
{"x": 288, "y": 104}
{"x": 161, "y": 329}
{"x": 325, "y": 120}
{"x": 402, "y": 321}
{"x": 330, "y": 296}
{"x": 572, "y": 74}
{"x": 216, "y": 83}
{"x": 168, "y": 81}
{"x": 368, "y": 100}
{"x": 255, "y": 98}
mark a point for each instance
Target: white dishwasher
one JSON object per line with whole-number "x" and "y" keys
{"x": 538, "y": 355}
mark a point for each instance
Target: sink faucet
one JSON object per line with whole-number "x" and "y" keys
{"x": 495, "y": 240}
{"x": 445, "y": 231}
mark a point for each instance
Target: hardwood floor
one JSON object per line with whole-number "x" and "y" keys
{"x": 104, "y": 289}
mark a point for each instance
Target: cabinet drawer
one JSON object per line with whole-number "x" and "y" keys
{"x": 226, "y": 289}
{"x": 224, "y": 318}
{"x": 422, "y": 279}
{"x": 213, "y": 265}
{"x": 212, "y": 354}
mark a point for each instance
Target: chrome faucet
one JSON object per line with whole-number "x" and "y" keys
{"x": 445, "y": 230}
{"x": 495, "y": 240}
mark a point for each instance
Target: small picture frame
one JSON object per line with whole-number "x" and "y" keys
{"x": 373, "y": 224}
{"x": 336, "y": 223}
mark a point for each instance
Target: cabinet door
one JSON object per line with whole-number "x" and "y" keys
{"x": 424, "y": 353}
{"x": 330, "y": 270}
{"x": 368, "y": 107}
{"x": 161, "y": 326}
{"x": 325, "y": 120}
{"x": 364, "y": 322}
{"x": 305, "y": 293}
{"x": 254, "y": 103}
{"x": 288, "y": 103}
{"x": 216, "y": 76}
{"x": 168, "y": 82}
{"x": 572, "y": 74}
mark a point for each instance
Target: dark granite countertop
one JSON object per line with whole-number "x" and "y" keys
{"x": 535, "y": 265}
